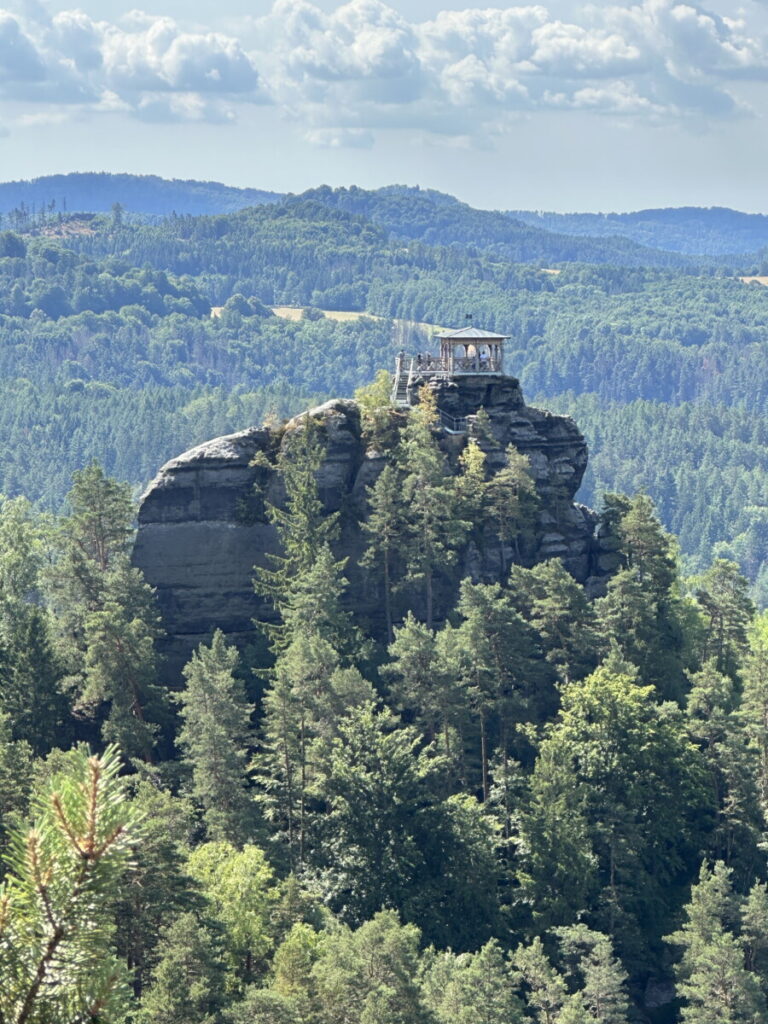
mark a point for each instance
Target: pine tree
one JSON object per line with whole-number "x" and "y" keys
{"x": 420, "y": 685}
{"x": 713, "y": 980}
{"x": 188, "y": 981}
{"x": 547, "y": 991}
{"x": 214, "y": 738}
{"x": 434, "y": 529}
{"x": 302, "y": 525}
{"x": 57, "y": 963}
{"x": 723, "y": 596}
{"x": 384, "y": 526}
{"x": 512, "y": 504}
{"x": 492, "y": 657}
{"x": 471, "y": 988}
{"x": 564, "y": 620}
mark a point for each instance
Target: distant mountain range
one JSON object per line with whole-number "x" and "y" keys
{"x": 696, "y": 230}
{"x": 665, "y": 238}
{"x": 138, "y": 193}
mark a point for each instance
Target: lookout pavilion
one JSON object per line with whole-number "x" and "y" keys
{"x": 465, "y": 352}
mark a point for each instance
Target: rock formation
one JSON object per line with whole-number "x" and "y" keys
{"x": 201, "y": 529}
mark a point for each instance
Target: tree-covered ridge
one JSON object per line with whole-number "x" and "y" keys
{"x": 715, "y": 231}
{"x": 436, "y": 219}
{"x": 137, "y": 193}
{"x": 414, "y": 213}
{"x": 525, "y": 812}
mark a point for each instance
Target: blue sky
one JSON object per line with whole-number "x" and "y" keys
{"x": 558, "y": 106}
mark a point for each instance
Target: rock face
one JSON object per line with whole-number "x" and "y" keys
{"x": 202, "y": 529}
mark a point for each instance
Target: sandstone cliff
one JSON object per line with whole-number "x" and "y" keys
{"x": 201, "y": 531}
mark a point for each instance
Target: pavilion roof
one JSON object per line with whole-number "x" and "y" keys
{"x": 470, "y": 334}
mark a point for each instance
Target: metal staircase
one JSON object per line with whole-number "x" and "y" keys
{"x": 400, "y": 388}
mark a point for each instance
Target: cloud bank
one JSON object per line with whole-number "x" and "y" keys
{"x": 344, "y": 75}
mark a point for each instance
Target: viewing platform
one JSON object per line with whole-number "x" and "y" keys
{"x": 468, "y": 351}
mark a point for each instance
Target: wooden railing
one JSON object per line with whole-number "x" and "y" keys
{"x": 429, "y": 364}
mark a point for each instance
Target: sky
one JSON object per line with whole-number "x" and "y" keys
{"x": 554, "y": 106}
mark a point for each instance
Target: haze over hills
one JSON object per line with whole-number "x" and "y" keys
{"x": 713, "y": 230}
{"x": 671, "y": 237}
{"x": 138, "y": 193}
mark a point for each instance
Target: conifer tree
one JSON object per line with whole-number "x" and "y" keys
{"x": 753, "y": 712}
{"x": 491, "y": 655}
{"x": 714, "y": 982}
{"x": 546, "y": 988}
{"x": 57, "y": 962}
{"x": 307, "y": 699}
{"x": 302, "y": 525}
{"x": 434, "y": 529}
{"x": 471, "y": 988}
{"x": 512, "y": 503}
{"x": 30, "y": 672}
{"x": 590, "y": 959}
{"x": 754, "y": 932}
{"x": 106, "y": 618}
{"x": 214, "y": 738}
{"x": 15, "y": 777}
{"x": 188, "y": 981}
{"x": 384, "y": 526}
{"x": 714, "y": 725}
{"x": 564, "y": 620}
{"x": 723, "y": 594}
{"x": 420, "y": 685}
{"x": 641, "y": 610}
{"x": 158, "y": 887}
{"x": 314, "y": 608}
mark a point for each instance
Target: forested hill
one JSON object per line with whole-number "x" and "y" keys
{"x": 138, "y": 193}
{"x": 713, "y": 231}
{"x": 108, "y": 349}
{"x": 437, "y": 219}
{"x": 661, "y": 238}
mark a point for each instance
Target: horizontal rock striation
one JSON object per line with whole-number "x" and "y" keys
{"x": 202, "y": 525}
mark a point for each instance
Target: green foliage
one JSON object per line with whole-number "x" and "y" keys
{"x": 188, "y": 982}
{"x": 616, "y": 758}
{"x": 472, "y": 988}
{"x": 713, "y": 979}
{"x": 56, "y": 936}
{"x": 482, "y": 780}
{"x": 239, "y": 887}
{"x": 214, "y": 739}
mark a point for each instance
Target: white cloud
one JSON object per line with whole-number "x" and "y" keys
{"x": 333, "y": 138}
{"x": 344, "y": 74}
